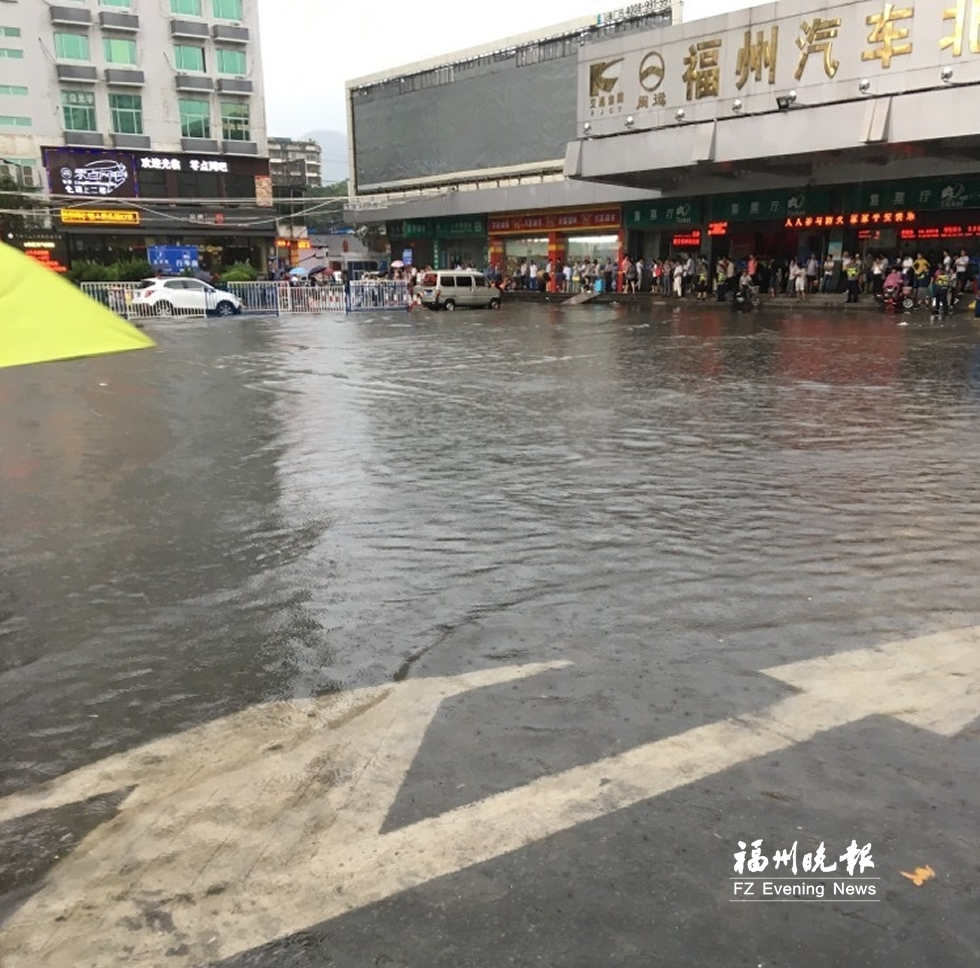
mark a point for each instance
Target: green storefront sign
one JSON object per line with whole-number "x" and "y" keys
{"x": 445, "y": 228}
{"x": 667, "y": 213}
{"x": 769, "y": 206}
{"x": 459, "y": 228}
{"x": 420, "y": 229}
{"x": 921, "y": 195}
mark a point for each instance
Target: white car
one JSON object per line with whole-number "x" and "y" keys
{"x": 182, "y": 296}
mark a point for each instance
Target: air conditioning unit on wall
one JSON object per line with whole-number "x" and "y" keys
{"x": 30, "y": 177}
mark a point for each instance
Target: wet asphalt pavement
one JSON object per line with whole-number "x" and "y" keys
{"x": 671, "y": 501}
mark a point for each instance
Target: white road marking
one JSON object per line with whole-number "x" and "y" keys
{"x": 284, "y": 840}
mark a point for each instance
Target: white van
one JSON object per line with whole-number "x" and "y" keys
{"x": 447, "y": 289}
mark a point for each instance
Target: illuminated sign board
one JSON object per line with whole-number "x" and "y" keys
{"x": 45, "y": 252}
{"x": 718, "y": 228}
{"x": 940, "y": 232}
{"x": 89, "y": 216}
{"x": 686, "y": 240}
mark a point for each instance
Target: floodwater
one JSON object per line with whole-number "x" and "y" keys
{"x": 266, "y": 509}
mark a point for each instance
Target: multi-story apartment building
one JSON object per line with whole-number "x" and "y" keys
{"x": 143, "y": 121}
{"x": 295, "y": 164}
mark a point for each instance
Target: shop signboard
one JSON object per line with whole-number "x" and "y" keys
{"x": 101, "y": 173}
{"x": 582, "y": 220}
{"x": 925, "y": 195}
{"x": 820, "y": 49}
{"x": 90, "y": 216}
{"x": 662, "y": 213}
{"x": 173, "y": 259}
{"x": 769, "y": 206}
{"x": 46, "y": 248}
{"x": 411, "y": 229}
{"x": 455, "y": 228}
{"x": 93, "y": 174}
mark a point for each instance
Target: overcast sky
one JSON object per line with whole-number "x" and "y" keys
{"x": 312, "y": 47}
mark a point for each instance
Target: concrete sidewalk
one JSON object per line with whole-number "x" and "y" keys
{"x": 836, "y": 302}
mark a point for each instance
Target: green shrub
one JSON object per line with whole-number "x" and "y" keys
{"x": 133, "y": 270}
{"x": 239, "y": 272}
{"x": 90, "y": 272}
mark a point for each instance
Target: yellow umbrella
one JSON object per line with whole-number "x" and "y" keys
{"x": 44, "y": 317}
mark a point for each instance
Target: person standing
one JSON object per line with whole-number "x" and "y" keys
{"x": 828, "y": 275}
{"x": 943, "y": 280}
{"x": 962, "y": 269}
{"x": 853, "y": 275}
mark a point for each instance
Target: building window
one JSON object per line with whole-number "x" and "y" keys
{"x": 126, "y": 112}
{"x": 226, "y": 9}
{"x": 71, "y": 47}
{"x": 234, "y": 122}
{"x": 13, "y": 121}
{"x": 16, "y": 90}
{"x": 78, "y": 108}
{"x": 191, "y": 7}
{"x": 124, "y": 4}
{"x": 119, "y": 51}
{"x": 188, "y": 58}
{"x": 195, "y": 118}
{"x": 14, "y": 53}
{"x": 9, "y": 31}
{"x": 231, "y": 62}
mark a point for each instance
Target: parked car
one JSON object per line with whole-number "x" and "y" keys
{"x": 184, "y": 297}
{"x": 448, "y": 289}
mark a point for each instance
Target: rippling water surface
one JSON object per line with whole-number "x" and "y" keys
{"x": 265, "y": 509}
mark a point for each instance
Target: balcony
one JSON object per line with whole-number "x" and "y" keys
{"x": 194, "y": 83}
{"x": 77, "y": 73}
{"x": 72, "y": 16}
{"x": 124, "y": 76}
{"x": 88, "y": 139}
{"x": 240, "y": 147}
{"x": 230, "y": 35}
{"x": 140, "y": 142}
{"x": 188, "y": 28}
{"x": 128, "y": 22}
{"x": 235, "y": 85}
{"x": 199, "y": 145}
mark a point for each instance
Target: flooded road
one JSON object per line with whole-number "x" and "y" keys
{"x": 653, "y": 507}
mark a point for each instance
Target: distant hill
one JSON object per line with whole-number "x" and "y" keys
{"x": 334, "y": 145}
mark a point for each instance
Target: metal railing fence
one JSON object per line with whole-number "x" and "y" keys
{"x": 135, "y": 301}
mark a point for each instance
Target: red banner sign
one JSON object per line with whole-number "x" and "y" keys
{"x": 687, "y": 240}
{"x": 606, "y": 218}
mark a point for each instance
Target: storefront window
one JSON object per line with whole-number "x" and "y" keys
{"x": 592, "y": 247}
{"x": 525, "y": 250}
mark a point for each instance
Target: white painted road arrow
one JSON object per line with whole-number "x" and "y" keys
{"x": 263, "y": 824}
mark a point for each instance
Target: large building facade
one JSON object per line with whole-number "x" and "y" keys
{"x": 462, "y": 157}
{"x": 144, "y": 123}
{"x": 782, "y": 130}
